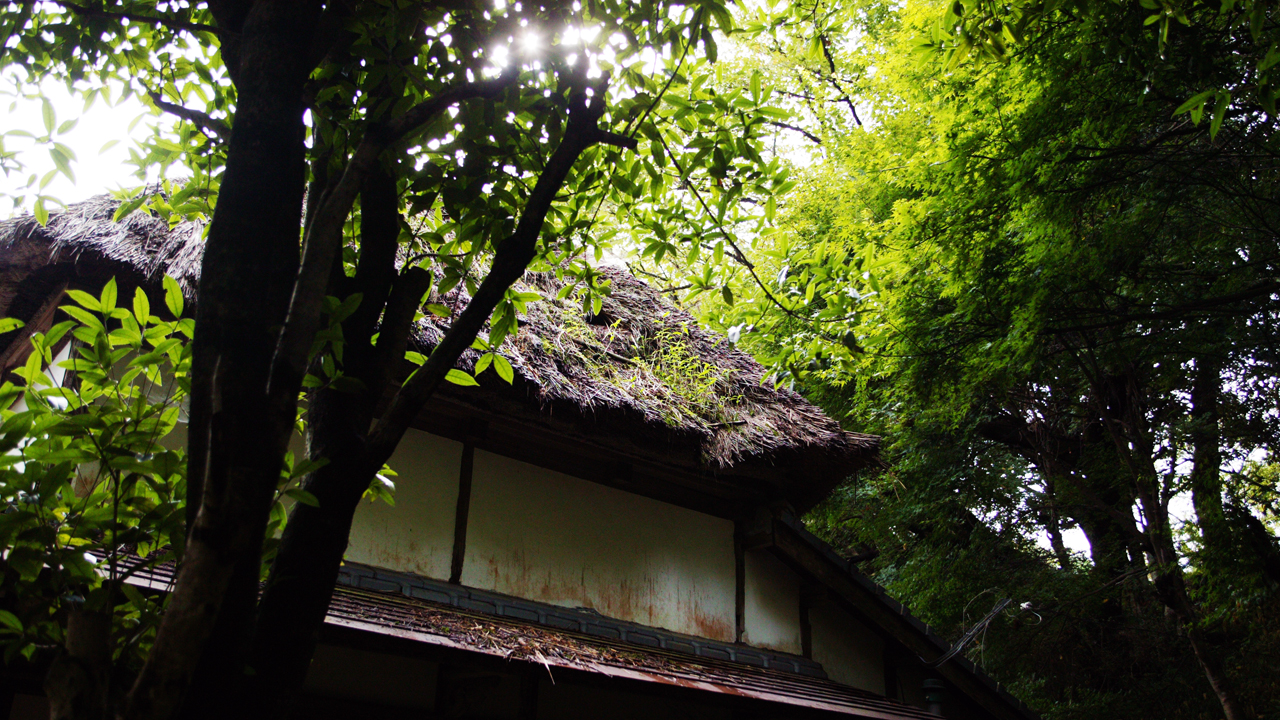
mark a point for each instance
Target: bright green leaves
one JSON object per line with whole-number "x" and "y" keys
{"x": 172, "y": 296}
{"x": 87, "y": 468}
{"x": 1248, "y": 28}
{"x": 500, "y": 364}
{"x": 1197, "y": 104}
{"x": 460, "y": 377}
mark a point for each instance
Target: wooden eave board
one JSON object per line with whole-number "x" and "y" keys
{"x": 427, "y": 623}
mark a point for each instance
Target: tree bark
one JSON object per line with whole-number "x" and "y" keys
{"x": 1124, "y": 413}
{"x": 1206, "y": 473}
{"x": 240, "y": 431}
{"x": 305, "y": 570}
{"x": 78, "y": 683}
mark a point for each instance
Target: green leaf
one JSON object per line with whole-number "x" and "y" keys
{"x": 141, "y": 306}
{"x": 303, "y": 497}
{"x": 173, "y": 296}
{"x": 85, "y": 317}
{"x": 86, "y": 300}
{"x": 1219, "y": 113}
{"x": 10, "y": 324}
{"x": 10, "y": 622}
{"x": 108, "y": 299}
{"x": 62, "y": 162}
{"x": 346, "y": 307}
{"x": 1197, "y": 100}
{"x": 47, "y": 114}
{"x": 458, "y": 377}
{"x": 503, "y": 368}
{"x": 41, "y": 212}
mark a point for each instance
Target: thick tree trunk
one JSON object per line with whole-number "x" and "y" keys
{"x": 78, "y": 683}
{"x": 241, "y": 431}
{"x": 1206, "y": 473}
{"x": 306, "y": 567}
{"x": 305, "y": 571}
{"x": 1125, "y": 415}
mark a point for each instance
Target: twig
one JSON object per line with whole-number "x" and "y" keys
{"x": 171, "y": 23}
{"x": 212, "y": 127}
{"x": 973, "y": 632}
{"x": 811, "y": 137}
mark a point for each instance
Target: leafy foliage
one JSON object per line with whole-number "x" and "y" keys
{"x": 92, "y": 480}
{"x": 1053, "y": 292}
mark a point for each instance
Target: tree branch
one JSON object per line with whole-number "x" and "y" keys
{"x": 812, "y": 138}
{"x": 172, "y": 23}
{"x": 509, "y": 264}
{"x": 397, "y": 323}
{"x": 1264, "y": 288}
{"x": 324, "y": 236}
{"x": 212, "y": 127}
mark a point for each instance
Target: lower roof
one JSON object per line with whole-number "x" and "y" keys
{"x": 435, "y": 624}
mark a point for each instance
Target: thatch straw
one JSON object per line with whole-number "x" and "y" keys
{"x": 642, "y": 364}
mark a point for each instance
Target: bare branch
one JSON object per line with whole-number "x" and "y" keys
{"x": 509, "y": 264}
{"x": 812, "y": 138}
{"x": 212, "y": 127}
{"x": 324, "y": 236}
{"x": 169, "y": 22}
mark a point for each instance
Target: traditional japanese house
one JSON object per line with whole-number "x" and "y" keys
{"x": 616, "y": 533}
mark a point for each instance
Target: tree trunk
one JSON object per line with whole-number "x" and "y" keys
{"x": 306, "y": 567}
{"x": 78, "y": 683}
{"x": 1124, "y": 413}
{"x": 1206, "y": 473}
{"x": 305, "y": 571}
{"x": 1053, "y": 526}
{"x": 240, "y": 430}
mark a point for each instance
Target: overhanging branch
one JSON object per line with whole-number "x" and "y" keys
{"x": 212, "y": 127}
{"x": 169, "y": 22}
{"x": 324, "y": 235}
{"x": 509, "y": 264}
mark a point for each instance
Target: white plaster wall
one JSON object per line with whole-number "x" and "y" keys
{"x": 848, "y": 650}
{"x": 771, "y": 611}
{"x": 545, "y": 536}
{"x": 416, "y": 535}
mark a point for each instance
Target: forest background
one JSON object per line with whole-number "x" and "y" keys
{"x": 1034, "y": 245}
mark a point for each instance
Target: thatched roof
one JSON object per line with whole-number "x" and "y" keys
{"x": 641, "y": 377}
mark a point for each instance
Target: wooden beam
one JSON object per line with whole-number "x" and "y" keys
{"x": 873, "y": 609}
{"x": 461, "y": 512}
{"x": 548, "y": 448}
{"x": 739, "y": 585}
{"x": 20, "y": 346}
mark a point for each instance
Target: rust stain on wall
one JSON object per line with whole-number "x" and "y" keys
{"x": 646, "y": 600}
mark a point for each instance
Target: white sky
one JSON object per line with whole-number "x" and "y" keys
{"x": 95, "y": 171}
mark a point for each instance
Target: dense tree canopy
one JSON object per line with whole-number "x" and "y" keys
{"x": 1033, "y": 244}
{"x": 1050, "y": 280}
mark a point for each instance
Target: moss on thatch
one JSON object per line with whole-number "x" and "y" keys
{"x": 646, "y": 356}
{"x": 641, "y": 367}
